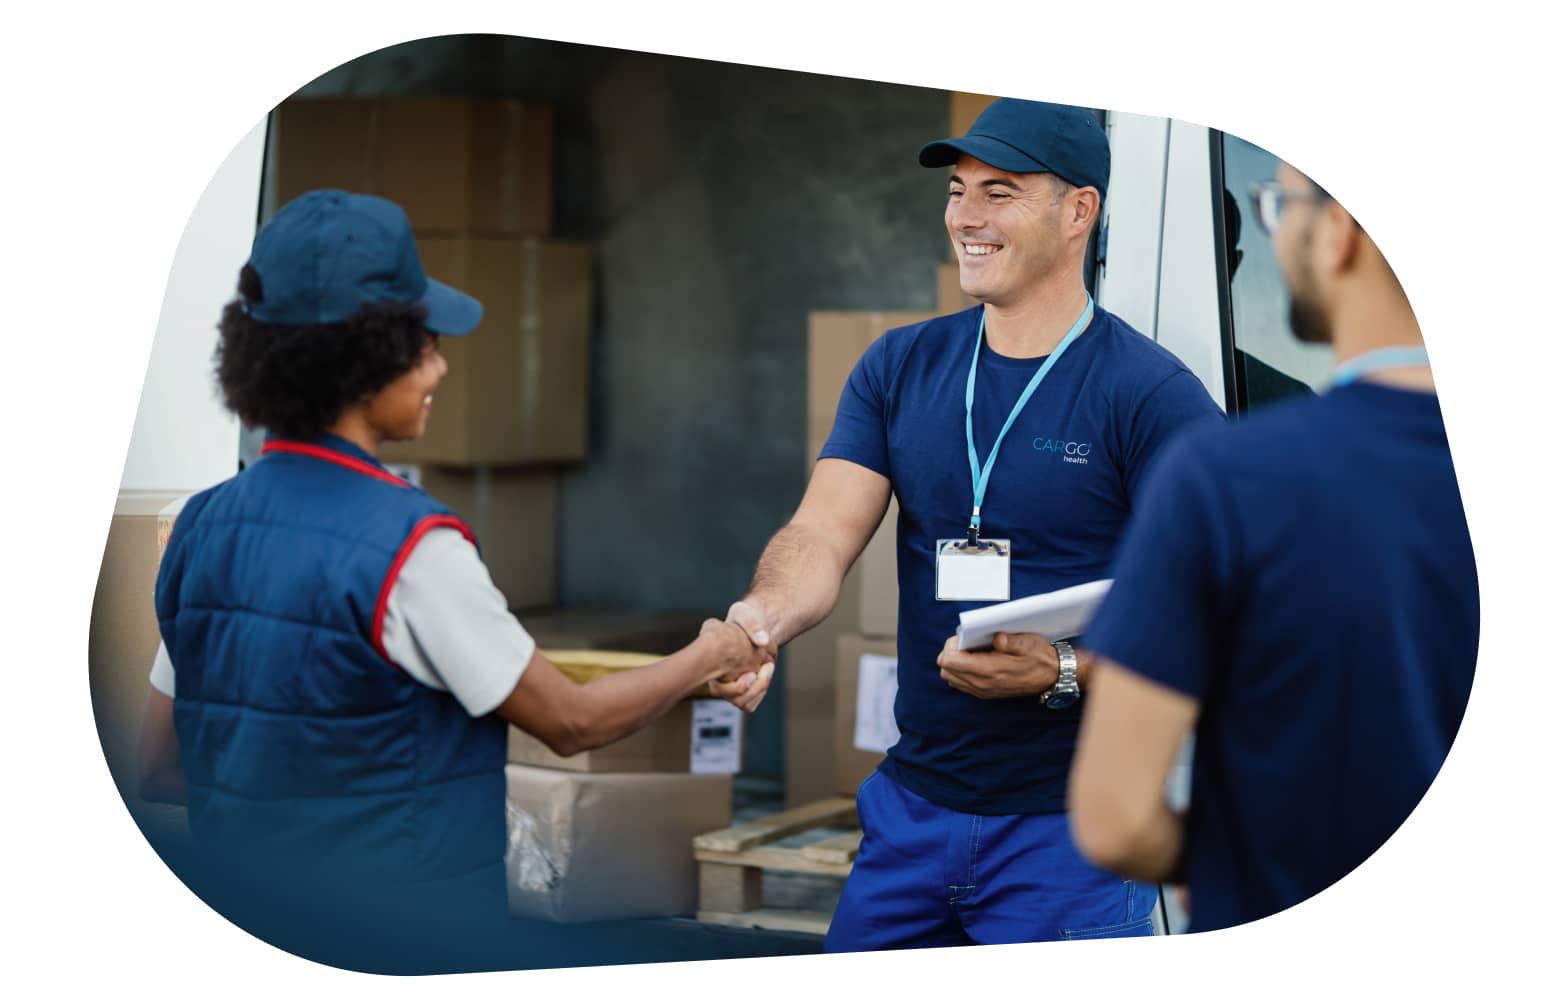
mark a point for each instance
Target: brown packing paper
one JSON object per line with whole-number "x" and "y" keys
{"x": 588, "y": 847}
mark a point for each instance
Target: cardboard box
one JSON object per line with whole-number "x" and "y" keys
{"x": 588, "y": 847}
{"x": 456, "y": 165}
{"x": 513, "y": 513}
{"x": 517, "y": 391}
{"x": 949, "y": 291}
{"x": 123, "y": 636}
{"x": 666, "y": 745}
{"x": 852, "y": 765}
{"x": 965, "y": 108}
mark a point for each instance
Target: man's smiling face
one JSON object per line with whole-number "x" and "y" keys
{"x": 1005, "y": 229}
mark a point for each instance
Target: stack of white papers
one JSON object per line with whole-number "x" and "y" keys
{"x": 1055, "y": 615}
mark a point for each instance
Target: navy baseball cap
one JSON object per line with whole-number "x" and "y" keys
{"x": 326, "y": 254}
{"x": 1032, "y": 137}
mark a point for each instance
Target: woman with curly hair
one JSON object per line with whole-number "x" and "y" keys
{"x": 338, "y": 672}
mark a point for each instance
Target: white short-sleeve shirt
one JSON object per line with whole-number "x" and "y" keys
{"x": 446, "y": 624}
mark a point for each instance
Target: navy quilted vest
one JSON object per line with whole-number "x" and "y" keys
{"x": 304, "y": 748}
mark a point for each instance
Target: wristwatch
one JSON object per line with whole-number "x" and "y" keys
{"x": 1066, "y": 692}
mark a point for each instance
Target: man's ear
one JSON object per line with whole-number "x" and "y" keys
{"x": 1085, "y": 208}
{"x": 1341, "y": 239}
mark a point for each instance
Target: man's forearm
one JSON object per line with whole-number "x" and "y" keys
{"x": 796, "y": 582}
{"x": 1152, "y": 853}
{"x": 614, "y": 707}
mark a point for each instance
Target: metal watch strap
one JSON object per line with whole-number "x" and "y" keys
{"x": 1067, "y": 679}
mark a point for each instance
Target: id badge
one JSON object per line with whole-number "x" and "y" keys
{"x": 980, "y": 571}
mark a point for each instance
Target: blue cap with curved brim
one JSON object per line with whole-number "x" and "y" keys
{"x": 326, "y": 254}
{"x": 1032, "y": 137}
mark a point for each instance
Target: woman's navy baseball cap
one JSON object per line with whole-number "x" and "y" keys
{"x": 1032, "y": 137}
{"x": 326, "y": 254}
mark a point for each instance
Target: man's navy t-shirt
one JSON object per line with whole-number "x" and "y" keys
{"x": 1307, "y": 576}
{"x": 1062, "y": 488}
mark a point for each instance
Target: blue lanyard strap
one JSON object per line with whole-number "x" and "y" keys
{"x": 982, "y": 476}
{"x": 1378, "y": 360}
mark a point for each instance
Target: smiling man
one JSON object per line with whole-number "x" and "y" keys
{"x": 1019, "y": 429}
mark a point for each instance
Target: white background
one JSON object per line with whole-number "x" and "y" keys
{"x": 1432, "y": 128}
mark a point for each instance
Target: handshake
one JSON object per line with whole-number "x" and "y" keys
{"x": 742, "y": 653}
{"x": 1019, "y": 665}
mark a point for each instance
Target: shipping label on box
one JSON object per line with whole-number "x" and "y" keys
{"x": 876, "y": 689}
{"x": 716, "y": 737}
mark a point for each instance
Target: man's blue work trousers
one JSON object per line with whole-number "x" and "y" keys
{"x": 927, "y": 876}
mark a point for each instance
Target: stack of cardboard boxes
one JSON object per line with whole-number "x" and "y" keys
{"x": 838, "y": 719}
{"x": 475, "y": 176}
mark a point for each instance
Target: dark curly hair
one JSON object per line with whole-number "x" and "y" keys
{"x": 295, "y": 381}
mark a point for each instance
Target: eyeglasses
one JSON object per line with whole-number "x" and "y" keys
{"x": 1270, "y": 198}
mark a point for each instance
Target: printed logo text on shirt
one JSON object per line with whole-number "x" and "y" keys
{"x": 1074, "y": 452}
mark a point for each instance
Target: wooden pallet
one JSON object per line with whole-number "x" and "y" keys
{"x": 731, "y": 863}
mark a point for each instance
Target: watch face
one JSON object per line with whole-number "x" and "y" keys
{"x": 1062, "y": 699}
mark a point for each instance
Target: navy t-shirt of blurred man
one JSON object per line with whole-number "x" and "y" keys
{"x": 1300, "y": 590}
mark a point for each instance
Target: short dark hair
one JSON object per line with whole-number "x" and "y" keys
{"x": 295, "y": 381}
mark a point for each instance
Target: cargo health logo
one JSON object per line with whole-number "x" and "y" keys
{"x": 1075, "y": 452}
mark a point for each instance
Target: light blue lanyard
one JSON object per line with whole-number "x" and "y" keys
{"x": 982, "y": 477}
{"x": 1378, "y": 360}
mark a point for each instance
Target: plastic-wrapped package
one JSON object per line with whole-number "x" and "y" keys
{"x": 597, "y": 846}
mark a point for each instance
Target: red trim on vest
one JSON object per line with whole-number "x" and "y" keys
{"x": 423, "y": 526}
{"x": 336, "y": 457}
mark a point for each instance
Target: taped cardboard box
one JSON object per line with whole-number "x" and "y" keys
{"x": 513, "y": 513}
{"x": 456, "y": 165}
{"x": 123, "y": 636}
{"x": 863, "y": 726}
{"x": 586, "y": 847}
{"x": 517, "y": 391}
